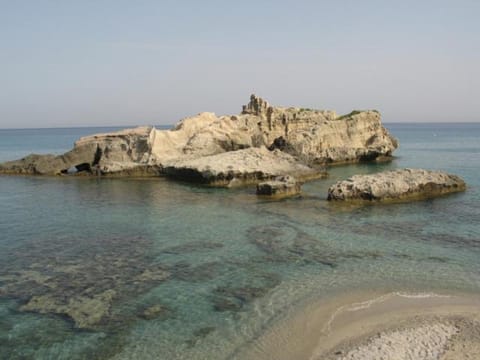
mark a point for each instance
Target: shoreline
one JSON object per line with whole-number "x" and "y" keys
{"x": 368, "y": 325}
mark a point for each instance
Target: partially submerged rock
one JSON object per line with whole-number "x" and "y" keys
{"x": 209, "y": 144}
{"x": 281, "y": 186}
{"x": 396, "y": 185}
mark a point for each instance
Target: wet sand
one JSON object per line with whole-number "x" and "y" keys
{"x": 376, "y": 325}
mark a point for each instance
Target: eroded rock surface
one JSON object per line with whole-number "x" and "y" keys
{"x": 240, "y": 167}
{"x": 313, "y": 136}
{"x": 310, "y": 136}
{"x": 126, "y": 151}
{"x": 396, "y": 185}
{"x": 279, "y": 187}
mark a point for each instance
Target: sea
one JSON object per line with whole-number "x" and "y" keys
{"x": 94, "y": 268}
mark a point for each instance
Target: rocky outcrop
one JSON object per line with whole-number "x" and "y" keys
{"x": 396, "y": 185}
{"x": 312, "y": 137}
{"x": 256, "y": 106}
{"x": 233, "y": 168}
{"x": 280, "y": 187}
{"x": 126, "y": 151}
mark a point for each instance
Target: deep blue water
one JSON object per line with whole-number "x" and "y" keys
{"x": 217, "y": 266}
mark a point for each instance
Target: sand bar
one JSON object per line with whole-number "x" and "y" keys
{"x": 376, "y": 325}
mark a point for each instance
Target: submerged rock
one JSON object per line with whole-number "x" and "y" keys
{"x": 203, "y": 272}
{"x": 200, "y": 334}
{"x": 194, "y": 149}
{"x": 285, "y": 243}
{"x": 193, "y": 246}
{"x": 87, "y": 283}
{"x": 154, "y": 312}
{"x": 281, "y": 242}
{"x": 236, "y": 297}
{"x": 83, "y": 310}
{"x": 281, "y": 186}
{"x": 154, "y": 274}
{"x": 396, "y": 185}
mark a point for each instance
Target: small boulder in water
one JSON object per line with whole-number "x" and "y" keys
{"x": 281, "y": 186}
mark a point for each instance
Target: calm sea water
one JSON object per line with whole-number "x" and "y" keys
{"x": 174, "y": 271}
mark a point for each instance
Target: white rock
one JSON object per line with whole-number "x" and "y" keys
{"x": 396, "y": 184}
{"x": 239, "y": 167}
{"x": 311, "y": 136}
{"x": 281, "y": 186}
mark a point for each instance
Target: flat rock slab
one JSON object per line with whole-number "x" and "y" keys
{"x": 240, "y": 167}
{"x": 280, "y": 187}
{"x": 396, "y": 185}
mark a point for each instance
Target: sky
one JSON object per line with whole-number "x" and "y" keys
{"x": 99, "y": 63}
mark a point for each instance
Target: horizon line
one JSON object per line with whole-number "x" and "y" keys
{"x": 171, "y": 125}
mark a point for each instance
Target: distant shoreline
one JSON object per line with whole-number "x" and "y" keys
{"x": 171, "y": 125}
{"x": 87, "y": 127}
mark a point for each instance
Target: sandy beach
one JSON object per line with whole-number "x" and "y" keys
{"x": 377, "y": 325}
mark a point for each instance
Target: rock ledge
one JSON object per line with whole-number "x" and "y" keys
{"x": 233, "y": 168}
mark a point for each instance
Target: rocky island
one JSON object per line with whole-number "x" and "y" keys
{"x": 261, "y": 143}
{"x": 398, "y": 184}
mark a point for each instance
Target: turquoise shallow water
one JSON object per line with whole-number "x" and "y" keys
{"x": 217, "y": 266}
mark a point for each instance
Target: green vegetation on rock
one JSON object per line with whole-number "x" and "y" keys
{"x": 354, "y": 112}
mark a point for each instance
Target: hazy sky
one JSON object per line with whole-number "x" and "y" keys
{"x": 86, "y": 63}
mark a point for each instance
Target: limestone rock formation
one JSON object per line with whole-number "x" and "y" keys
{"x": 396, "y": 185}
{"x": 247, "y": 166}
{"x": 122, "y": 151}
{"x": 312, "y": 137}
{"x": 256, "y": 106}
{"x": 281, "y": 186}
